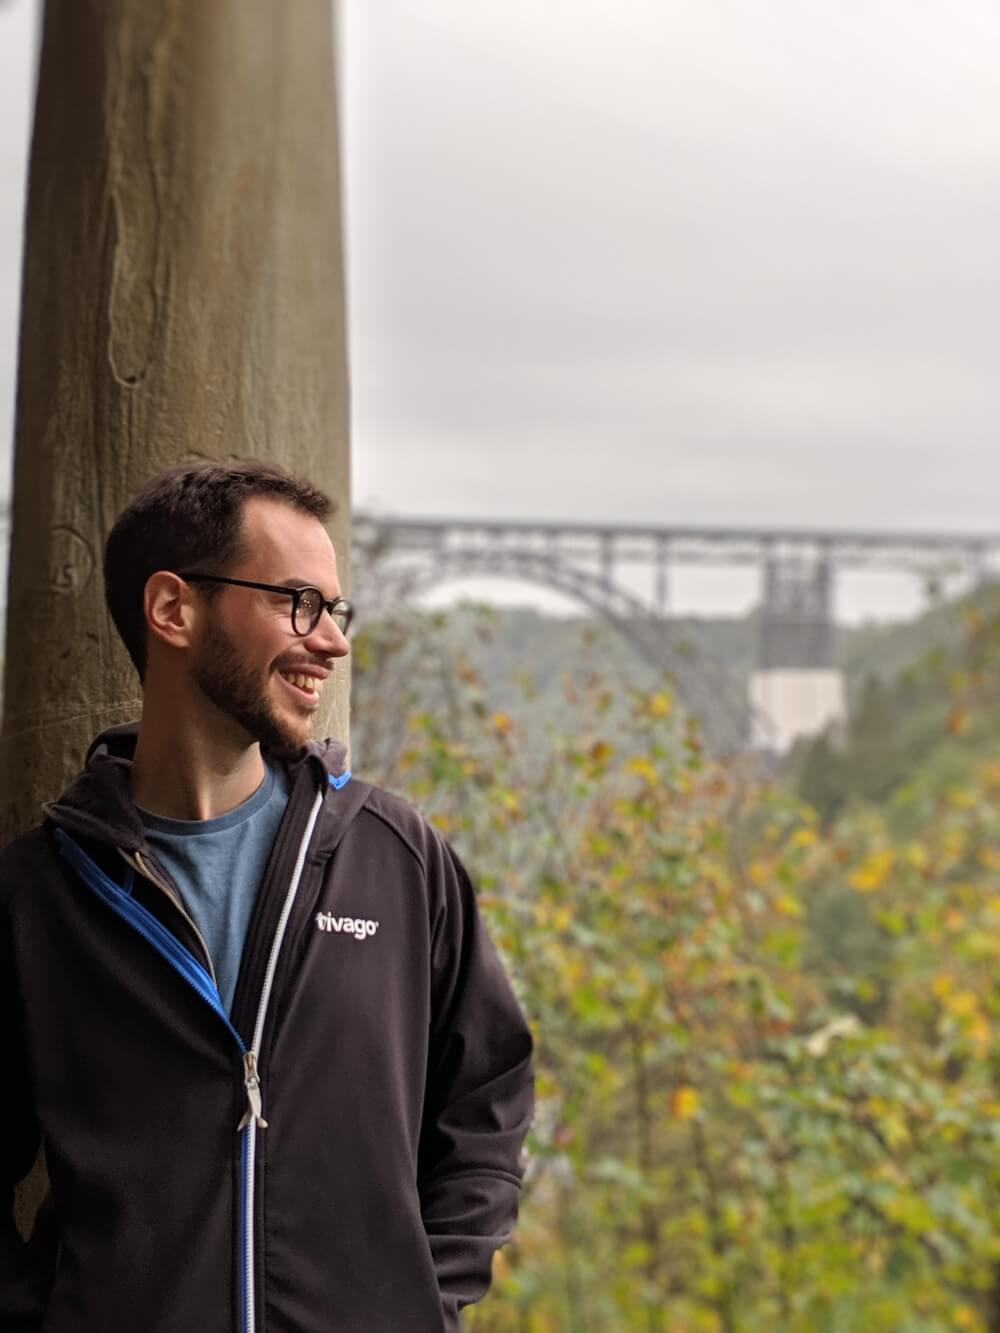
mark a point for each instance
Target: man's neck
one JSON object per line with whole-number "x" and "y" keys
{"x": 185, "y": 769}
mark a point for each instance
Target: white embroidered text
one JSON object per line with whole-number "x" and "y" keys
{"x": 358, "y": 926}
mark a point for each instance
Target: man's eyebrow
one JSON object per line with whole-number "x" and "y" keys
{"x": 306, "y": 583}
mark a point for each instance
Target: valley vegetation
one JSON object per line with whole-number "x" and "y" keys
{"x": 767, "y": 1008}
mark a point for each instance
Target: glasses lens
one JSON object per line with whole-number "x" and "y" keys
{"x": 309, "y": 608}
{"x": 307, "y": 612}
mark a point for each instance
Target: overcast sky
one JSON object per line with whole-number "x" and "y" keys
{"x": 653, "y": 260}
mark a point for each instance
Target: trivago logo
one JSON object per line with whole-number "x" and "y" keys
{"x": 358, "y": 926}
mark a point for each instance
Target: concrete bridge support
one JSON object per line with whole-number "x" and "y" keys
{"x": 796, "y": 686}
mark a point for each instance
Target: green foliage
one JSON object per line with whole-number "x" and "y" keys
{"x": 769, "y": 1070}
{"x": 922, "y": 728}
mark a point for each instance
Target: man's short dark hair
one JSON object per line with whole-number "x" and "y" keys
{"x": 189, "y": 518}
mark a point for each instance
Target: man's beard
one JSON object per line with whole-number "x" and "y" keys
{"x": 225, "y": 678}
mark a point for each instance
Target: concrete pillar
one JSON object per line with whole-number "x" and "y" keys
{"x": 661, "y": 568}
{"x": 797, "y": 688}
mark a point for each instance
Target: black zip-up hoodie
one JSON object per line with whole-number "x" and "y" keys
{"x": 373, "y": 1032}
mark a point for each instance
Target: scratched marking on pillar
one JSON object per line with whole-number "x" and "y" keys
{"x": 71, "y": 561}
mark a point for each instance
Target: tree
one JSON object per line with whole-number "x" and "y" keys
{"x": 735, "y": 1130}
{"x": 823, "y": 782}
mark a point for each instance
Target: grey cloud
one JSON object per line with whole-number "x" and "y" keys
{"x": 709, "y": 257}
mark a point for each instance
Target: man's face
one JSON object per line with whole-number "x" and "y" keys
{"x": 247, "y": 651}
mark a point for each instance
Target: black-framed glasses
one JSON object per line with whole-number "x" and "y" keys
{"x": 308, "y": 604}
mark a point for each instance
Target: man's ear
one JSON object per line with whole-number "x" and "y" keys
{"x": 169, "y": 608}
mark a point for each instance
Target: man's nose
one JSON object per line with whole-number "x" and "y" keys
{"x": 326, "y": 637}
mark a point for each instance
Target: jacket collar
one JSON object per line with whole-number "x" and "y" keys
{"x": 98, "y": 804}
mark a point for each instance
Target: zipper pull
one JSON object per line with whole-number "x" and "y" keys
{"x": 251, "y": 1081}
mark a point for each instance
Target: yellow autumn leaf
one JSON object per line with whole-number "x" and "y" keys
{"x": 964, "y": 1317}
{"x": 915, "y": 855}
{"x": 573, "y": 972}
{"x": 561, "y": 918}
{"x": 660, "y": 704}
{"x": 963, "y": 1004}
{"x": 541, "y": 1321}
{"x": 873, "y": 873}
{"x": 510, "y": 801}
{"x": 942, "y": 986}
{"x": 961, "y": 798}
{"x": 979, "y": 1031}
{"x": 501, "y": 723}
{"x": 644, "y": 769}
{"x": 684, "y": 1102}
{"x": 804, "y": 837}
{"x": 894, "y": 1129}
{"x": 786, "y": 905}
{"x": 759, "y": 873}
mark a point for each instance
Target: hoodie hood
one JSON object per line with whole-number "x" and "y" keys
{"x": 98, "y": 804}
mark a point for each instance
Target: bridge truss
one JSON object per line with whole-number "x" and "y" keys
{"x": 398, "y": 559}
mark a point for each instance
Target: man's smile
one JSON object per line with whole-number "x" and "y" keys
{"x": 304, "y": 686}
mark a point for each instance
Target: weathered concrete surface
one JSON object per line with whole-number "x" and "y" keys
{"x": 183, "y": 298}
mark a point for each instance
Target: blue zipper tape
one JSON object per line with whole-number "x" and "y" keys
{"x": 153, "y": 931}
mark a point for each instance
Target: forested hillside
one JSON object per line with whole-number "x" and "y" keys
{"x": 526, "y": 659}
{"x": 768, "y": 1051}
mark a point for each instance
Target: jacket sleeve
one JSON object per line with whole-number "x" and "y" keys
{"x": 25, "y": 1266}
{"x": 479, "y": 1096}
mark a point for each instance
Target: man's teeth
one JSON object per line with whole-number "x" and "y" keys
{"x": 306, "y": 683}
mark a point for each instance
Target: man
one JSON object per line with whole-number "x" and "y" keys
{"x": 249, "y": 1007}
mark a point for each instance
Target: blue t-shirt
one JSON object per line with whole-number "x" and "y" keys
{"x": 218, "y": 865}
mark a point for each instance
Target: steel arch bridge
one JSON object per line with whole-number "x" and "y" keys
{"x": 396, "y": 559}
{"x": 382, "y": 581}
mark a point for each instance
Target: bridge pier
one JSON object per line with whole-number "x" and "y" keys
{"x": 796, "y": 689}
{"x": 661, "y": 575}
